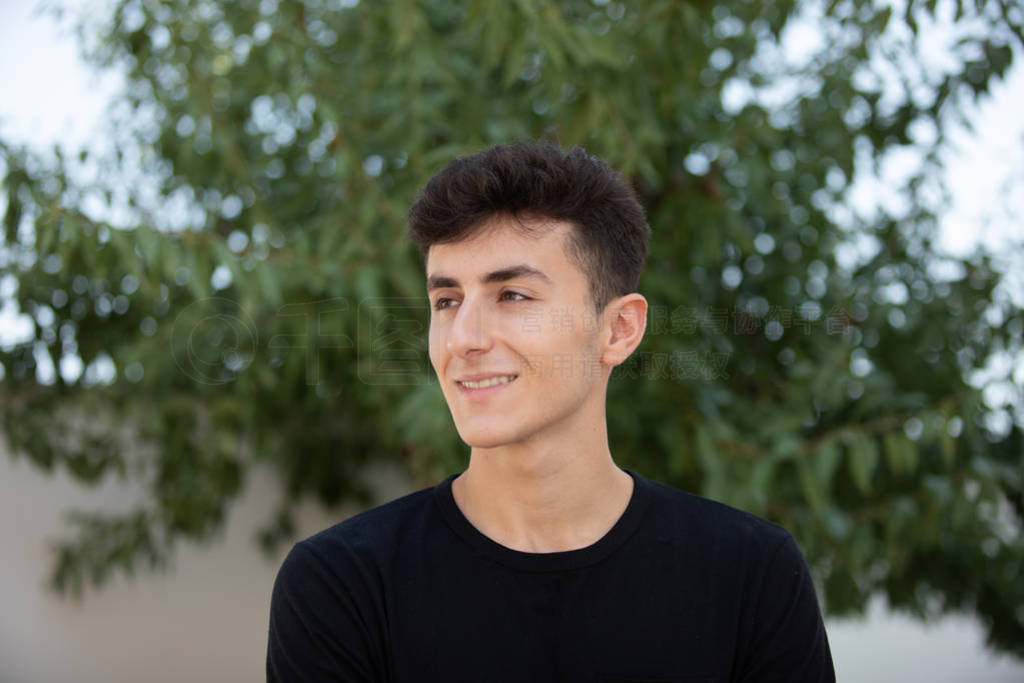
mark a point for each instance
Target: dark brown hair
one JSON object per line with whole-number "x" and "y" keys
{"x": 531, "y": 181}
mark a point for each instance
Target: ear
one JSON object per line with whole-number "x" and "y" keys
{"x": 625, "y": 320}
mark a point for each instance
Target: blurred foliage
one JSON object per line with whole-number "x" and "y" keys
{"x": 236, "y": 283}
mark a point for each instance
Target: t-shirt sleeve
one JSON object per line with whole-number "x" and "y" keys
{"x": 788, "y": 641}
{"x": 318, "y": 628}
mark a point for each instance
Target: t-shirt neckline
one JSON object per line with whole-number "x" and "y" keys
{"x": 623, "y": 528}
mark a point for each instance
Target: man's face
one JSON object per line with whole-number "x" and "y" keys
{"x": 513, "y": 336}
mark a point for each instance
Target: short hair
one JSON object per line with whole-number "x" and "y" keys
{"x": 531, "y": 180}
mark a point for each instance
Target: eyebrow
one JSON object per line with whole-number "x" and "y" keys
{"x": 503, "y": 275}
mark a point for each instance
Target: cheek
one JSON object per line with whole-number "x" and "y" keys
{"x": 588, "y": 364}
{"x": 435, "y": 345}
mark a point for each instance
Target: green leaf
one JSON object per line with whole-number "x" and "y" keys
{"x": 947, "y": 445}
{"x": 771, "y": 349}
{"x": 810, "y": 487}
{"x": 825, "y": 460}
{"x": 862, "y": 459}
{"x": 900, "y": 453}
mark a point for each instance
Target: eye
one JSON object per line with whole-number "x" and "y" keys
{"x": 442, "y": 303}
{"x": 509, "y": 295}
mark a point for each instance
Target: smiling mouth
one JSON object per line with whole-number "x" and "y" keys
{"x": 489, "y": 382}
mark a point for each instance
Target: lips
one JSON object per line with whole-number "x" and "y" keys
{"x": 475, "y": 382}
{"x": 483, "y": 377}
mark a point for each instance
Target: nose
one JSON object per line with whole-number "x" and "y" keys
{"x": 469, "y": 334}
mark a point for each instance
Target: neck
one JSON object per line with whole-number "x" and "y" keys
{"x": 544, "y": 498}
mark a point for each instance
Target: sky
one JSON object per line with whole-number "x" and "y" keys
{"x": 48, "y": 94}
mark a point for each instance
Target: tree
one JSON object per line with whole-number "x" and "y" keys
{"x": 248, "y": 295}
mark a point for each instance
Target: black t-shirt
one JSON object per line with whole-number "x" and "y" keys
{"x": 680, "y": 589}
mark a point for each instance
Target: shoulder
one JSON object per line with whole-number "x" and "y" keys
{"x": 328, "y": 610}
{"x": 378, "y": 530}
{"x": 755, "y": 565}
{"x": 714, "y": 526}
{"x": 344, "y": 562}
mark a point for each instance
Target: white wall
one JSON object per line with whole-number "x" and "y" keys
{"x": 207, "y": 619}
{"x": 893, "y": 648}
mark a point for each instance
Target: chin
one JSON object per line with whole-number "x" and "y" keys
{"x": 478, "y": 439}
{"x": 488, "y": 437}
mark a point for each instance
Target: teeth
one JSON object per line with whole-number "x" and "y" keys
{"x": 488, "y": 382}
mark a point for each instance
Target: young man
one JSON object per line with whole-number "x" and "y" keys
{"x": 542, "y": 561}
